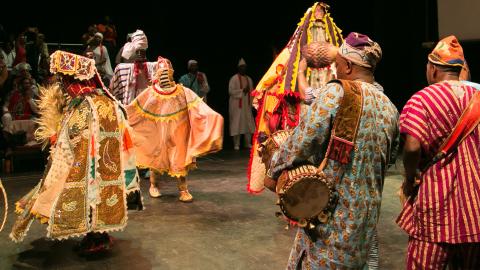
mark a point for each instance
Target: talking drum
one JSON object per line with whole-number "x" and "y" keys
{"x": 306, "y": 195}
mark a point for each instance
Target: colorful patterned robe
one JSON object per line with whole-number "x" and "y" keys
{"x": 344, "y": 240}
{"x": 91, "y": 170}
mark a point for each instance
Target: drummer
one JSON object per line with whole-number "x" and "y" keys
{"x": 357, "y": 170}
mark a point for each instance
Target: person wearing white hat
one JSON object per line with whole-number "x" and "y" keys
{"x": 131, "y": 79}
{"x": 102, "y": 60}
{"x": 240, "y": 106}
{"x": 195, "y": 80}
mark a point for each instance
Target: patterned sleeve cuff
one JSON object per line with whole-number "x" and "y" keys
{"x": 309, "y": 95}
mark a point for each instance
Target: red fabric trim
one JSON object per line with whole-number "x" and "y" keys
{"x": 137, "y": 66}
{"x": 340, "y": 150}
{"x": 127, "y": 141}
{"x": 92, "y": 150}
{"x": 163, "y": 93}
{"x": 241, "y": 87}
{"x": 81, "y": 88}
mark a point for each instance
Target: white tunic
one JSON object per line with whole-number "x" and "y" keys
{"x": 240, "y": 105}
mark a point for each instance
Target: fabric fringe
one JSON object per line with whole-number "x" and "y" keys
{"x": 167, "y": 118}
{"x": 182, "y": 173}
{"x": 52, "y": 105}
{"x": 5, "y": 200}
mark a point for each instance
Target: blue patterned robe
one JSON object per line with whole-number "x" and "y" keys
{"x": 345, "y": 239}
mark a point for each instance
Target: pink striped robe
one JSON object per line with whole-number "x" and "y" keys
{"x": 447, "y": 208}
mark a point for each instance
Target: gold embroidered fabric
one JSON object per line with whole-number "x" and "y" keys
{"x": 84, "y": 187}
{"x": 80, "y": 67}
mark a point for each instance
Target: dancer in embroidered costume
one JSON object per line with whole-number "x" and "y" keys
{"x": 277, "y": 96}
{"x": 91, "y": 168}
{"x": 354, "y": 126}
{"x": 131, "y": 79}
{"x": 171, "y": 127}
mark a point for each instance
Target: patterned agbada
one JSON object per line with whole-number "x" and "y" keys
{"x": 344, "y": 241}
{"x": 446, "y": 208}
{"x": 91, "y": 168}
{"x": 277, "y": 97}
{"x": 172, "y": 128}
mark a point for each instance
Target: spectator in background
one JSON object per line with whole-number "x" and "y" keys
{"x": 109, "y": 32}
{"x": 89, "y": 35}
{"x": 20, "y": 72}
{"x": 102, "y": 59}
{"x": 43, "y": 58}
{"x": 20, "y": 104}
{"x": 195, "y": 80}
{"x": 20, "y": 52}
{"x": 8, "y": 54}
{"x": 240, "y": 106}
{"x": 32, "y": 51}
{"x": 3, "y": 73}
{"x": 19, "y": 113}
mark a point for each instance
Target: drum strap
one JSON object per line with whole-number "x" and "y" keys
{"x": 346, "y": 123}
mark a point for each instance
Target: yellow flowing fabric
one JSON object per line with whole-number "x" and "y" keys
{"x": 277, "y": 90}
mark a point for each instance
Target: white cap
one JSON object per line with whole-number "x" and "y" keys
{"x": 98, "y": 34}
{"x": 242, "y": 62}
{"x": 191, "y": 62}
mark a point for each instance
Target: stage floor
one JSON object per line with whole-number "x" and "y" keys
{"x": 224, "y": 228}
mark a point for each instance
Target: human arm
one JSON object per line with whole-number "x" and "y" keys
{"x": 302, "y": 79}
{"x": 416, "y": 132}
{"x": 411, "y": 159}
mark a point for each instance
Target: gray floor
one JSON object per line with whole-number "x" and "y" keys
{"x": 225, "y": 228}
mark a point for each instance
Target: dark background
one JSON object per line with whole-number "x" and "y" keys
{"x": 218, "y": 33}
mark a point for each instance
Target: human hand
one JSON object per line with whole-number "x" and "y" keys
{"x": 270, "y": 183}
{"x": 410, "y": 185}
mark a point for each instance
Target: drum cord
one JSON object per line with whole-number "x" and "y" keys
{"x": 5, "y": 200}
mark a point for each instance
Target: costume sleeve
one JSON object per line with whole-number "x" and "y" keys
{"x": 115, "y": 84}
{"x": 234, "y": 88}
{"x": 414, "y": 119}
{"x": 310, "y": 136}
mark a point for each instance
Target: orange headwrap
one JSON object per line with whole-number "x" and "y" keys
{"x": 448, "y": 52}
